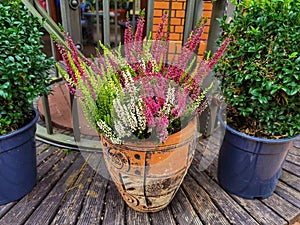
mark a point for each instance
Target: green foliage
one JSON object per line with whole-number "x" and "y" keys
{"x": 23, "y": 65}
{"x": 260, "y": 72}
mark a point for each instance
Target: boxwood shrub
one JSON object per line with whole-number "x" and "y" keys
{"x": 23, "y": 65}
{"x": 260, "y": 71}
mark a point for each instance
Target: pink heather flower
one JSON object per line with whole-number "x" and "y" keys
{"x": 138, "y": 40}
{"x": 128, "y": 41}
{"x": 73, "y": 52}
{"x": 149, "y": 116}
{"x": 64, "y": 54}
{"x": 152, "y": 105}
{"x": 162, "y": 124}
{"x": 218, "y": 53}
{"x": 176, "y": 70}
{"x": 181, "y": 97}
{"x": 158, "y": 49}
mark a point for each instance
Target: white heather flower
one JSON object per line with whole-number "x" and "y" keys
{"x": 143, "y": 64}
{"x": 140, "y": 115}
{"x": 108, "y": 132}
{"x": 120, "y": 129}
{"x": 132, "y": 117}
{"x": 127, "y": 77}
{"x": 169, "y": 100}
{"x": 119, "y": 110}
{"x": 125, "y": 114}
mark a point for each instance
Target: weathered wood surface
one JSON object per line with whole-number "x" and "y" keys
{"x": 72, "y": 189}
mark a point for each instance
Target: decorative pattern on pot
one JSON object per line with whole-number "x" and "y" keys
{"x": 148, "y": 175}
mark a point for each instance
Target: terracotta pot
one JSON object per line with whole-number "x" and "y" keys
{"x": 148, "y": 175}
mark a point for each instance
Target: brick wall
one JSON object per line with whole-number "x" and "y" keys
{"x": 177, "y": 21}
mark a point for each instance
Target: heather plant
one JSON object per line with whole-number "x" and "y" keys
{"x": 260, "y": 71}
{"x": 23, "y": 65}
{"x": 142, "y": 94}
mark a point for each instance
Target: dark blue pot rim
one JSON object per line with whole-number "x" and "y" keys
{"x": 27, "y": 126}
{"x": 264, "y": 140}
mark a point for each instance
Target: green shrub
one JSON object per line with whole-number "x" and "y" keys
{"x": 23, "y": 65}
{"x": 260, "y": 72}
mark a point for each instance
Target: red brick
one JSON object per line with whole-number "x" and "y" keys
{"x": 156, "y": 20}
{"x": 206, "y": 29}
{"x": 174, "y": 36}
{"x": 206, "y": 14}
{"x": 173, "y": 13}
{"x": 207, "y": 6}
{"x": 202, "y": 47}
{"x": 161, "y": 5}
{"x": 208, "y": 22}
{"x": 204, "y": 36}
{"x": 176, "y": 21}
{"x": 177, "y": 5}
{"x": 172, "y": 57}
{"x": 172, "y": 29}
{"x": 179, "y": 29}
{"x": 180, "y": 13}
{"x": 175, "y": 46}
{"x": 158, "y": 13}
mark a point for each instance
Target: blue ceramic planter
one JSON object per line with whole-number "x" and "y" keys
{"x": 249, "y": 167}
{"x": 18, "y": 162}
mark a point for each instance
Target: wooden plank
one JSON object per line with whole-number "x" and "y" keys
{"x": 114, "y": 206}
{"x": 204, "y": 162}
{"x": 44, "y": 154}
{"x": 164, "y": 216}
{"x": 68, "y": 170}
{"x": 38, "y": 143}
{"x": 183, "y": 211}
{"x": 5, "y": 208}
{"x": 40, "y": 147}
{"x": 74, "y": 195}
{"x": 202, "y": 202}
{"x": 288, "y": 193}
{"x": 293, "y": 158}
{"x": 292, "y": 168}
{"x": 91, "y": 212}
{"x": 48, "y": 163}
{"x": 290, "y": 179}
{"x": 230, "y": 209}
{"x": 135, "y": 218}
{"x": 295, "y": 150}
{"x": 282, "y": 207}
{"x": 261, "y": 213}
{"x": 25, "y": 207}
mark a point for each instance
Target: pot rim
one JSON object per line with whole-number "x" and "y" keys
{"x": 149, "y": 146}
{"x": 253, "y": 138}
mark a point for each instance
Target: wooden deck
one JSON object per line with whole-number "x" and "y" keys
{"x": 70, "y": 190}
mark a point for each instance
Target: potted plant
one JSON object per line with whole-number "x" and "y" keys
{"x": 260, "y": 79}
{"x": 23, "y": 68}
{"x": 144, "y": 107}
